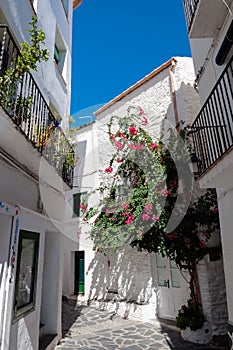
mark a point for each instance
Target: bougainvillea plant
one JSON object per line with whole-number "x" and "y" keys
{"x": 149, "y": 200}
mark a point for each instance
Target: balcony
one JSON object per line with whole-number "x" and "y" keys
{"x": 26, "y": 107}
{"x": 212, "y": 130}
{"x": 203, "y": 18}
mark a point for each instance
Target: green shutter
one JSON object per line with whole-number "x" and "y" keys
{"x": 81, "y": 276}
{"x": 77, "y": 202}
{"x": 56, "y": 54}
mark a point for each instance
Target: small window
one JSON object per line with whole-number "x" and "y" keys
{"x": 65, "y": 4}
{"x": 77, "y": 202}
{"x": 57, "y": 56}
{"x": 59, "y": 52}
{"x": 26, "y": 274}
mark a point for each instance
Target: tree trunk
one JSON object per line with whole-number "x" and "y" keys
{"x": 194, "y": 285}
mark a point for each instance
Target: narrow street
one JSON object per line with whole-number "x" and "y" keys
{"x": 87, "y": 328}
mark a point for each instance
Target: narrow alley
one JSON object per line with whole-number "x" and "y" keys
{"x": 89, "y": 328}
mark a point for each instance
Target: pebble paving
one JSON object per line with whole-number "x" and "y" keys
{"x": 87, "y": 328}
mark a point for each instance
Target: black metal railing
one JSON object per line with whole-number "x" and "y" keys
{"x": 212, "y": 130}
{"x": 190, "y": 7}
{"x": 24, "y": 103}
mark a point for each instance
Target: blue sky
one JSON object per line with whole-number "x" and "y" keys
{"x": 117, "y": 43}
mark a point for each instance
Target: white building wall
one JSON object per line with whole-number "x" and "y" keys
{"x": 225, "y": 202}
{"x": 55, "y": 86}
{"x": 24, "y": 333}
{"x": 204, "y": 52}
{"x": 133, "y": 273}
{"x": 219, "y": 176}
{"x": 41, "y": 208}
{"x": 77, "y": 232}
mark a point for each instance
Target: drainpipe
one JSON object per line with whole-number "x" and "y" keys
{"x": 173, "y": 90}
{"x": 225, "y": 47}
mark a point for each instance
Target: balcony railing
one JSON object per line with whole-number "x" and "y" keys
{"x": 190, "y": 7}
{"x": 212, "y": 130}
{"x": 24, "y": 103}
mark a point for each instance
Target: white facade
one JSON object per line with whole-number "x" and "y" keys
{"x": 209, "y": 32}
{"x": 130, "y": 277}
{"x": 31, "y": 191}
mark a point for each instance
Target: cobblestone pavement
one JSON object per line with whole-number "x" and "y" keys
{"x": 87, "y": 328}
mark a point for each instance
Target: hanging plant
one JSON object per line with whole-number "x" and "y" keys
{"x": 31, "y": 53}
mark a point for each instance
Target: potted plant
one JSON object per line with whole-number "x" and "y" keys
{"x": 192, "y": 323}
{"x": 190, "y": 316}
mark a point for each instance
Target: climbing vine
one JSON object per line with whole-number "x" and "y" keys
{"x": 150, "y": 181}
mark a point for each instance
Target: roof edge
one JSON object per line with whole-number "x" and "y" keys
{"x": 136, "y": 85}
{"x": 76, "y": 3}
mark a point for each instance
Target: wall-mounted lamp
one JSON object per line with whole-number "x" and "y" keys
{"x": 195, "y": 164}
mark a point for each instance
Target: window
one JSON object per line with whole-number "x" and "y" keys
{"x": 26, "y": 274}
{"x": 57, "y": 56}
{"x": 59, "y": 52}
{"x": 65, "y": 4}
{"x": 77, "y": 200}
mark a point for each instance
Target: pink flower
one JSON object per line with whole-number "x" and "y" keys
{"x": 215, "y": 210}
{"x": 131, "y": 146}
{"x": 83, "y": 207}
{"x": 144, "y": 121}
{"x": 118, "y": 160}
{"x": 164, "y": 193}
{"x": 119, "y": 145}
{"x": 172, "y": 236}
{"x": 125, "y": 213}
{"x": 145, "y": 217}
{"x": 129, "y": 220}
{"x": 141, "y": 111}
{"x": 154, "y": 145}
{"x": 125, "y": 206}
{"x": 108, "y": 170}
{"x": 111, "y": 136}
{"x": 148, "y": 207}
{"x": 155, "y": 218}
{"x": 133, "y": 130}
{"x": 139, "y": 146}
{"x": 120, "y": 134}
{"x": 107, "y": 211}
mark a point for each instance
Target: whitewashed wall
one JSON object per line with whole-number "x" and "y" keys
{"x": 54, "y": 86}
{"x": 19, "y": 184}
{"x": 25, "y": 332}
{"x": 77, "y": 232}
{"x": 204, "y": 51}
{"x": 131, "y": 272}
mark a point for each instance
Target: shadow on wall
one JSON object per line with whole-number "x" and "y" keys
{"x": 124, "y": 276}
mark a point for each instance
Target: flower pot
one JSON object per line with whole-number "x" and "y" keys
{"x": 200, "y": 336}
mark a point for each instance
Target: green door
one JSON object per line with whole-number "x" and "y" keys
{"x": 79, "y": 287}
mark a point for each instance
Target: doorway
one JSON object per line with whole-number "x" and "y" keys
{"x": 173, "y": 289}
{"x": 79, "y": 267}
